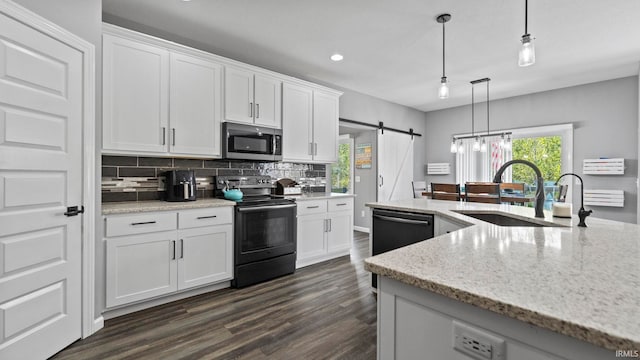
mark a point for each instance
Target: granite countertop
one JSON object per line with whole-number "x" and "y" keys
{"x": 130, "y": 207}
{"x": 581, "y": 282}
{"x": 318, "y": 196}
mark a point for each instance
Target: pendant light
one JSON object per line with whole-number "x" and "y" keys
{"x": 527, "y": 55}
{"x": 443, "y": 91}
{"x": 477, "y": 146}
{"x": 476, "y": 142}
{"x": 483, "y": 147}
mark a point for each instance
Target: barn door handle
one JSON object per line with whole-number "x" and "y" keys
{"x": 73, "y": 211}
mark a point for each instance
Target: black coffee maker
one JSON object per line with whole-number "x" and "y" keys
{"x": 181, "y": 185}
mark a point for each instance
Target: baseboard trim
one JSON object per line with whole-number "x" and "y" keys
{"x": 361, "y": 229}
{"x": 128, "y": 309}
{"x": 98, "y": 323}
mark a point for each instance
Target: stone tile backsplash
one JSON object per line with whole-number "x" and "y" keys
{"x": 131, "y": 178}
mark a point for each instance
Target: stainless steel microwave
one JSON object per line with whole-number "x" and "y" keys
{"x": 249, "y": 142}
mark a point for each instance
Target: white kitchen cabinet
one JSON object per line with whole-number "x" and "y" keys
{"x": 297, "y": 123}
{"x": 140, "y": 267}
{"x": 309, "y": 124}
{"x": 325, "y": 127}
{"x": 194, "y": 249}
{"x": 252, "y": 98}
{"x": 340, "y": 231}
{"x": 158, "y": 101}
{"x": 135, "y": 96}
{"x": 195, "y": 106}
{"x": 324, "y": 230}
{"x": 311, "y": 237}
{"x": 205, "y": 256}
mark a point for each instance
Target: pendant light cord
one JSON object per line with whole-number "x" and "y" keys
{"x": 443, "y": 72}
{"x": 472, "y": 109}
{"x": 487, "y": 107}
{"x": 526, "y": 16}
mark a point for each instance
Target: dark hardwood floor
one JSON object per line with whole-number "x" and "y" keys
{"x": 323, "y": 311}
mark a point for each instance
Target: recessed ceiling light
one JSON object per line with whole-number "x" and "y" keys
{"x": 337, "y": 57}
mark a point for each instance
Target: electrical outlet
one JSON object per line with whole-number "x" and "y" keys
{"x": 362, "y": 214}
{"x": 477, "y": 343}
{"x": 357, "y": 178}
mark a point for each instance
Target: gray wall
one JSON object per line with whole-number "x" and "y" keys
{"x": 84, "y": 19}
{"x": 365, "y": 108}
{"x": 605, "y": 119}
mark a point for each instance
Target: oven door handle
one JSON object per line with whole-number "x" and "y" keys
{"x": 269, "y": 207}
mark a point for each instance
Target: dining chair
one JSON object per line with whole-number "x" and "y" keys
{"x": 440, "y": 191}
{"x": 482, "y": 192}
{"x": 512, "y": 187}
{"x": 418, "y": 188}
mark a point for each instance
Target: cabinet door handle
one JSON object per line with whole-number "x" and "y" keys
{"x": 250, "y": 109}
{"x": 381, "y": 181}
{"x": 207, "y": 217}
{"x": 341, "y": 204}
{"x": 173, "y": 256}
{"x": 329, "y": 221}
{"x": 257, "y": 111}
{"x": 173, "y": 131}
{"x": 310, "y": 148}
{"x": 313, "y": 207}
{"x": 315, "y": 148}
{"x": 324, "y": 225}
{"x": 164, "y": 135}
{"x": 143, "y": 223}
{"x": 181, "y": 248}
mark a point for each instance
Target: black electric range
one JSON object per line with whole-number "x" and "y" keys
{"x": 264, "y": 230}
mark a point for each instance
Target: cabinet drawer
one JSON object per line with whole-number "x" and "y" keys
{"x": 140, "y": 224}
{"x": 312, "y": 207}
{"x": 340, "y": 204}
{"x": 205, "y": 217}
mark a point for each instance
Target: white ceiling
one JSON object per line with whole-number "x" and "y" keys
{"x": 393, "y": 48}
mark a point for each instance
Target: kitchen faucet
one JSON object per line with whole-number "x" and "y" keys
{"x": 539, "y": 190}
{"x": 582, "y": 213}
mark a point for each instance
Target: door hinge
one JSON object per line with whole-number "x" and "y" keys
{"x": 73, "y": 211}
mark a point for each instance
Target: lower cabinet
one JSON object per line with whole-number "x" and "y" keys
{"x": 141, "y": 266}
{"x": 325, "y": 230}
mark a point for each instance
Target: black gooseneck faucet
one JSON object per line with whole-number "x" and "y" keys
{"x": 539, "y": 190}
{"x": 582, "y": 213}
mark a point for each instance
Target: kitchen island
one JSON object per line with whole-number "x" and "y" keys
{"x": 523, "y": 292}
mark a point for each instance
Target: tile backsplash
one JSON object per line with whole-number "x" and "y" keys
{"x": 131, "y": 178}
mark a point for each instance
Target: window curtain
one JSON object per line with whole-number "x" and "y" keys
{"x": 477, "y": 166}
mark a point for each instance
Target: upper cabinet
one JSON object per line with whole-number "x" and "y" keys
{"x": 135, "y": 96}
{"x": 159, "y": 101}
{"x": 309, "y": 124}
{"x": 162, "y": 99}
{"x": 252, "y": 98}
{"x": 195, "y": 106}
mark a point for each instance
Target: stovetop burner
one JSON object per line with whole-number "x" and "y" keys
{"x": 256, "y": 190}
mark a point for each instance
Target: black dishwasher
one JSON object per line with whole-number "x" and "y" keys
{"x": 395, "y": 229}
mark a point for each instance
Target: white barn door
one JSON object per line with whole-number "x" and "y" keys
{"x": 41, "y": 84}
{"x": 395, "y": 166}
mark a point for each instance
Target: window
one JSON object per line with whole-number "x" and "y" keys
{"x": 341, "y": 173}
{"x": 548, "y": 147}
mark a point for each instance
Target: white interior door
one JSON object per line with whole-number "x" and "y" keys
{"x": 395, "y": 166}
{"x": 40, "y": 176}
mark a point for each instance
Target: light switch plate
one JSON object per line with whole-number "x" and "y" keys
{"x": 357, "y": 178}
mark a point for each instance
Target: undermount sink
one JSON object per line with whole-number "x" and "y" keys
{"x": 503, "y": 220}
